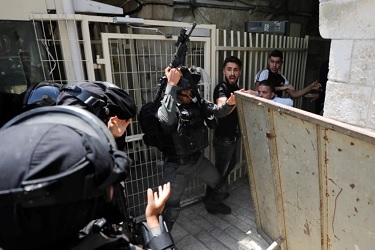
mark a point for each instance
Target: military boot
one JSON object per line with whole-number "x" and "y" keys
{"x": 213, "y": 202}
{"x": 220, "y": 208}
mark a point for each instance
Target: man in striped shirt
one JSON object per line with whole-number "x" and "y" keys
{"x": 271, "y": 73}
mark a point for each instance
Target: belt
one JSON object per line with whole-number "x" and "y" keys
{"x": 184, "y": 159}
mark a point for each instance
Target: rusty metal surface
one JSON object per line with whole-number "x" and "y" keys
{"x": 311, "y": 177}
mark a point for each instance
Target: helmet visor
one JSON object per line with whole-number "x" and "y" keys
{"x": 41, "y": 93}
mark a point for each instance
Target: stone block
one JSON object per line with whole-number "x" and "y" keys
{"x": 363, "y": 59}
{"x": 371, "y": 113}
{"x": 347, "y": 19}
{"x": 340, "y": 60}
{"x": 347, "y": 102}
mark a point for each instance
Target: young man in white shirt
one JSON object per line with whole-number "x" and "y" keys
{"x": 267, "y": 90}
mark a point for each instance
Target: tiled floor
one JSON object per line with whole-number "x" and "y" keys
{"x": 196, "y": 229}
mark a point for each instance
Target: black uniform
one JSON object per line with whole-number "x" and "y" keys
{"x": 226, "y": 134}
{"x": 184, "y": 160}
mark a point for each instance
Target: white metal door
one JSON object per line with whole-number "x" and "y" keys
{"x": 136, "y": 63}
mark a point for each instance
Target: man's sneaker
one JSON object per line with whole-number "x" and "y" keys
{"x": 220, "y": 208}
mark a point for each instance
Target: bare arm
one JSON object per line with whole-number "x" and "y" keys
{"x": 285, "y": 88}
{"x": 249, "y": 91}
{"x": 299, "y": 93}
{"x": 278, "y": 88}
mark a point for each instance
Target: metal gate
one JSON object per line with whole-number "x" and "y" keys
{"x": 136, "y": 63}
{"x": 253, "y": 50}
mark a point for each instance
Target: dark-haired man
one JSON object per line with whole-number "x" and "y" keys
{"x": 271, "y": 73}
{"x": 267, "y": 91}
{"x": 226, "y": 134}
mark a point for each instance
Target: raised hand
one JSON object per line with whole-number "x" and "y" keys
{"x": 173, "y": 74}
{"x": 231, "y": 100}
{"x": 155, "y": 204}
{"x": 118, "y": 126}
{"x": 287, "y": 87}
{"x": 315, "y": 85}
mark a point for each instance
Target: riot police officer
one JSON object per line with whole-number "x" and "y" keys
{"x": 185, "y": 119}
{"x": 61, "y": 177}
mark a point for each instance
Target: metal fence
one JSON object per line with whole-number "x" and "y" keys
{"x": 253, "y": 50}
{"x": 80, "y": 48}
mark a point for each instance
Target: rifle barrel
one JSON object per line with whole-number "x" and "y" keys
{"x": 192, "y": 28}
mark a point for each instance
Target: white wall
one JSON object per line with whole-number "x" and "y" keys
{"x": 21, "y": 9}
{"x": 350, "y": 95}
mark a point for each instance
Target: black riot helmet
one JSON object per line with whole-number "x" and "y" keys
{"x": 190, "y": 78}
{"x": 40, "y": 95}
{"x": 57, "y": 167}
{"x": 100, "y": 98}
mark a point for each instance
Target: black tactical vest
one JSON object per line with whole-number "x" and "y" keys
{"x": 192, "y": 134}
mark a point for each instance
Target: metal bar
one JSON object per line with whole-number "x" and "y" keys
{"x": 87, "y": 50}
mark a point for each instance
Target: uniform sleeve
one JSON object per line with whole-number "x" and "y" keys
{"x": 167, "y": 110}
{"x": 219, "y": 111}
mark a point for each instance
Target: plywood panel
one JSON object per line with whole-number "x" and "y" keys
{"x": 351, "y": 192}
{"x": 299, "y": 178}
{"x": 312, "y": 177}
{"x": 257, "y": 126}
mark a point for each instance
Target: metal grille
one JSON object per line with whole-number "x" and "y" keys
{"x": 253, "y": 50}
{"x": 59, "y": 44}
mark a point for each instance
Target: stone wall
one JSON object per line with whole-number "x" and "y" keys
{"x": 350, "y": 95}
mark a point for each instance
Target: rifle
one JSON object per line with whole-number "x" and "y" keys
{"x": 178, "y": 59}
{"x": 129, "y": 227}
{"x": 120, "y": 221}
{"x": 187, "y": 80}
{"x": 181, "y": 44}
{"x": 150, "y": 125}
